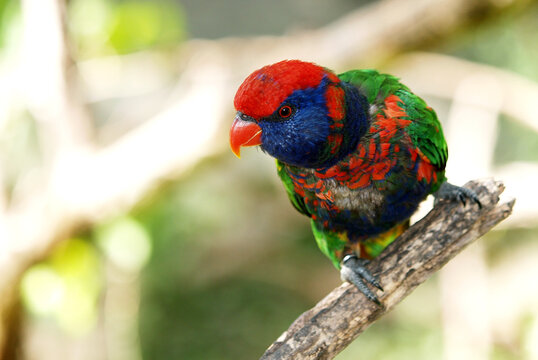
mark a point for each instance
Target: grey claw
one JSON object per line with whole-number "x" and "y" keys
{"x": 363, "y": 273}
{"x": 353, "y": 270}
{"x": 448, "y": 191}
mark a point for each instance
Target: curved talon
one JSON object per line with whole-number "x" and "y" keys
{"x": 448, "y": 191}
{"x": 353, "y": 270}
{"x": 362, "y": 272}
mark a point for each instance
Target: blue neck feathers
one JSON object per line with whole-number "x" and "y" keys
{"x": 305, "y": 138}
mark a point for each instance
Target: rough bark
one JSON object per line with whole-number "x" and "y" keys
{"x": 326, "y": 329}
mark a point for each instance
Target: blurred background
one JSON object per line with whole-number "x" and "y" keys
{"x": 129, "y": 231}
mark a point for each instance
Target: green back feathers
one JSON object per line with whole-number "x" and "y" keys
{"x": 425, "y": 130}
{"x": 375, "y": 86}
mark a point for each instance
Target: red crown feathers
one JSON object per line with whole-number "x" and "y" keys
{"x": 265, "y": 89}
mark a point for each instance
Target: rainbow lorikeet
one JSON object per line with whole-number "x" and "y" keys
{"x": 357, "y": 152}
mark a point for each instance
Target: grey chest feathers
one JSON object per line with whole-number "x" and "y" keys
{"x": 367, "y": 201}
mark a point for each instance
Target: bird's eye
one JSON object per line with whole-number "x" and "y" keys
{"x": 285, "y": 111}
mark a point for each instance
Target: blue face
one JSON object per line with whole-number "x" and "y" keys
{"x": 297, "y": 132}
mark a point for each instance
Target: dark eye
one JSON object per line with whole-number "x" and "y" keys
{"x": 285, "y": 111}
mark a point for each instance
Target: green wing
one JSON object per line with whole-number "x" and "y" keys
{"x": 425, "y": 130}
{"x": 375, "y": 86}
{"x": 296, "y": 200}
{"x": 332, "y": 244}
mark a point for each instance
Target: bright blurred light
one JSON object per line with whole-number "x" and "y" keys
{"x": 104, "y": 27}
{"x": 89, "y": 18}
{"x": 42, "y": 290}
{"x": 126, "y": 243}
{"x": 531, "y": 339}
{"x": 78, "y": 312}
{"x": 66, "y": 288}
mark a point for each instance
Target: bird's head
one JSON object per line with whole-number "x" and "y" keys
{"x": 299, "y": 113}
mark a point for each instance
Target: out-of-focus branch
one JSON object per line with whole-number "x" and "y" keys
{"x": 50, "y": 84}
{"x": 518, "y": 94}
{"x": 50, "y": 92}
{"x": 520, "y": 179}
{"x": 325, "y": 330}
{"x": 369, "y": 35}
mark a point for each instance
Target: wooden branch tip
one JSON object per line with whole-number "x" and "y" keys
{"x": 326, "y": 329}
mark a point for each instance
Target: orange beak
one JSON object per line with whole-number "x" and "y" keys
{"x": 244, "y": 133}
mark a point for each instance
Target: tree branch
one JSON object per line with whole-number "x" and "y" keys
{"x": 326, "y": 329}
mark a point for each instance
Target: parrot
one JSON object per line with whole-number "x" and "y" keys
{"x": 356, "y": 152}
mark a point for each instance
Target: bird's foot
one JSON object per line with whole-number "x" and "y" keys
{"x": 451, "y": 192}
{"x": 353, "y": 270}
